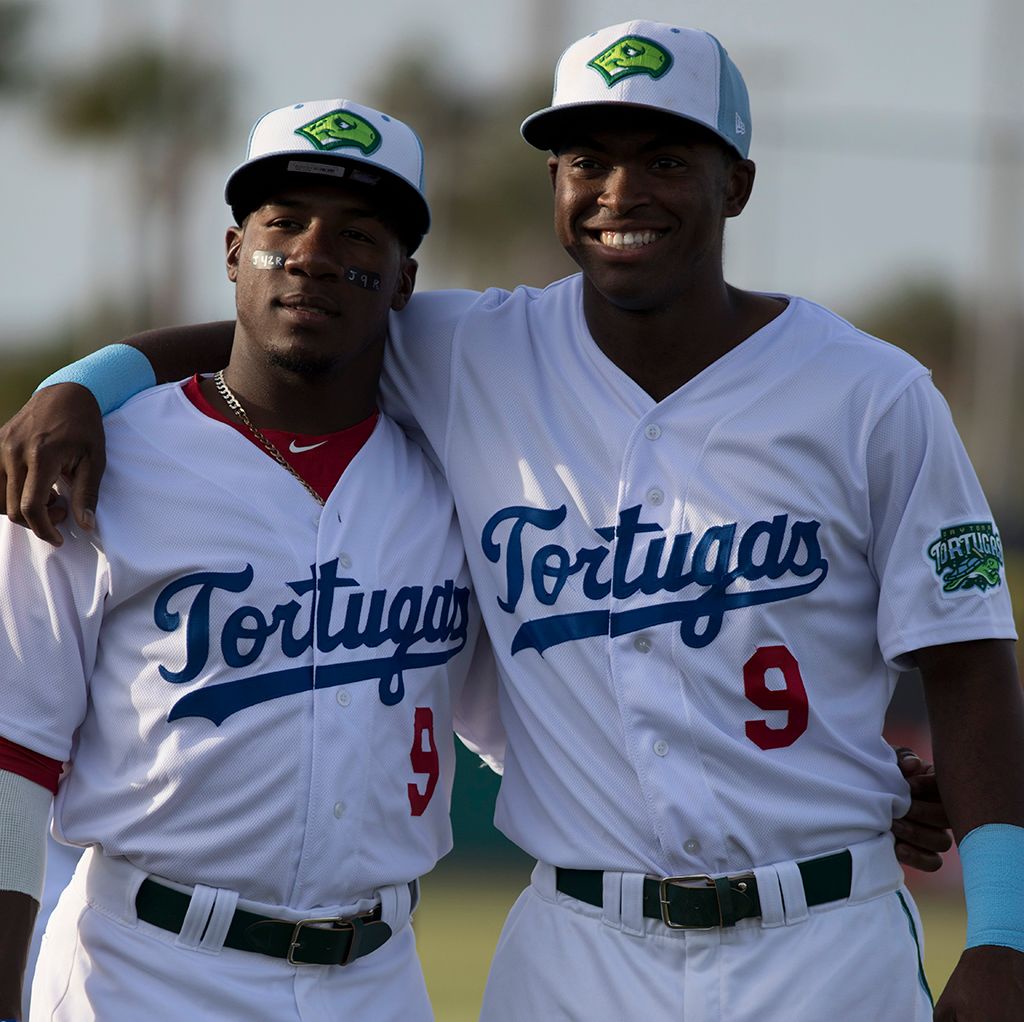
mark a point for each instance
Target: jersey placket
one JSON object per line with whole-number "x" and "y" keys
{"x": 337, "y": 766}
{"x": 643, "y": 657}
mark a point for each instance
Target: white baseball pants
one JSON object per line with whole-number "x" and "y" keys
{"x": 562, "y": 960}
{"x": 99, "y": 962}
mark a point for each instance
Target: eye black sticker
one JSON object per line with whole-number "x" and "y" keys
{"x": 363, "y": 278}
{"x": 267, "y": 260}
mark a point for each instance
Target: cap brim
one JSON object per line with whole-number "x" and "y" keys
{"x": 250, "y": 184}
{"x": 549, "y": 128}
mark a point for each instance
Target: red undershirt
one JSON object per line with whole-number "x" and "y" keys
{"x": 321, "y": 465}
{"x": 326, "y": 456}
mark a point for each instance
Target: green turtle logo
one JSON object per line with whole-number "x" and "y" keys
{"x": 631, "y": 55}
{"x": 968, "y": 557}
{"x": 341, "y": 129}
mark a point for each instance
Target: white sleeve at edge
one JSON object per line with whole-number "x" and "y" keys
{"x": 24, "y": 815}
{"x": 477, "y": 721}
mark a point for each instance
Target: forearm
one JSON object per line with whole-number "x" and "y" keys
{"x": 60, "y": 431}
{"x": 976, "y": 712}
{"x": 977, "y": 719}
{"x": 18, "y": 912}
{"x": 24, "y": 809}
{"x": 179, "y": 351}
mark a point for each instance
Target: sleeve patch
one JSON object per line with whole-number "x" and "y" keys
{"x": 967, "y": 559}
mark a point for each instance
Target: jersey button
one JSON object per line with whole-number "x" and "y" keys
{"x": 642, "y": 644}
{"x": 345, "y": 561}
{"x": 653, "y": 431}
{"x": 661, "y": 747}
{"x": 656, "y": 497}
{"x": 343, "y": 697}
{"x": 339, "y": 810}
{"x": 692, "y": 846}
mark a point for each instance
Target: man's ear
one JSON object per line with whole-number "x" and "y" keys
{"x": 233, "y": 245}
{"x": 553, "y": 169}
{"x": 739, "y": 185}
{"x": 405, "y": 285}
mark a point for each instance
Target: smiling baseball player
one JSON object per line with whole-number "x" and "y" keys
{"x": 709, "y": 527}
{"x": 259, "y": 733}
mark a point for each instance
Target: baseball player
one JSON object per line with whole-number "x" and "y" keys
{"x": 258, "y": 734}
{"x": 708, "y": 528}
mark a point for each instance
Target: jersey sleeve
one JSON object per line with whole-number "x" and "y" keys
{"x": 477, "y": 721}
{"x": 417, "y": 377}
{"x": 935, "y": 548}
{"x": 51, "y": 605}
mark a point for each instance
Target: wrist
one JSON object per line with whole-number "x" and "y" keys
{"x": 112, "y": 375}
{"x": 992, "y": 857}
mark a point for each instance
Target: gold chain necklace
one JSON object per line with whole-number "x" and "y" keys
{"x": 236, "y": 406}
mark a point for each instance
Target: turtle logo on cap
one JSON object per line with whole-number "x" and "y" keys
{"x": 631, "y": 55}
{"x": 341, "y": 129}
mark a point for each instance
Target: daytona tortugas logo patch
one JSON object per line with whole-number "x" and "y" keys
{"x": 966, "y": 557}
{"x": 631, "y": 55}
{"x": 341, "y": 129}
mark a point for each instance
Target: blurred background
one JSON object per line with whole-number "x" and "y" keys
{"x": 889, "y": 140}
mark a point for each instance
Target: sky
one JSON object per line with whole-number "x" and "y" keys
{"x": 871, "y": 124}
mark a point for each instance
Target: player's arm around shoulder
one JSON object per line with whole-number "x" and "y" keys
{"x": 416, "y": 379}
{"x": 976, "y": 711}
{"x": 59, "y": 431}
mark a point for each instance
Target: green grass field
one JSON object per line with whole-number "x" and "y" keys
{"x": 459, "y": 921}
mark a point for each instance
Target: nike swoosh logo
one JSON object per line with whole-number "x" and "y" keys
{"x": 296, "y": 449}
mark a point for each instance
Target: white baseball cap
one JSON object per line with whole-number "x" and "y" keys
{"x": 680, "y": 71}
{"x": 341, "y": 139}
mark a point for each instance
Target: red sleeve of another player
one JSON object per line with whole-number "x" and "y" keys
{"x": 31, "y": 765}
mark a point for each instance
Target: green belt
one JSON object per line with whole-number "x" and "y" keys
{"x": 301, "y": 942}
{"x": 716, "y": 901}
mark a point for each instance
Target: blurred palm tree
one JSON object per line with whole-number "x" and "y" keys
{"x": 489, "y": 191}
{"x": 165, "y": 112}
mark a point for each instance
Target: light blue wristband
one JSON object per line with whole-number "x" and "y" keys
{"x": 992, "y": 857}
{"x": 113, "y": 374}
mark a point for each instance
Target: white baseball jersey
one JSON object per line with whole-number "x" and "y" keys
{"x": 700, "y": 605}
{"x": 255, "y": 693}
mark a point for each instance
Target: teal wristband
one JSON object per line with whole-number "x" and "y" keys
{"x": 113, "y": 374}
{"x": 992, "y": 857}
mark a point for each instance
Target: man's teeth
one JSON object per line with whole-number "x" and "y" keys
{"x": 628, "y": 239}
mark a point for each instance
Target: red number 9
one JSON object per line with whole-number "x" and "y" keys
{"x": 424, "y": 759}
{"x": 792, "y": 698}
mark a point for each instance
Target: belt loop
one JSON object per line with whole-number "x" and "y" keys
{"x": 220, "y": 920}
{"x": 773, "y": 912}
{"x": 611, "y": 899}
{"x": 198, "y": 915}
{"x": 632, "y": 912}
{"x": 110, "y": 884}
{"x": 876, "y": 871}
{"x": 395, "y": 905}
{"x": 543, "y": 880}
{"x": 793, "y": 898}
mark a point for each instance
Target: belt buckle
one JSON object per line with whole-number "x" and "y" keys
{"x": 337, "y": 923}
{"x": 704, "y": 879}
{"x": 693, "y": 879}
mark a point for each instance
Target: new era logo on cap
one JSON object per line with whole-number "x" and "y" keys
{"x": 679, "y": 71}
